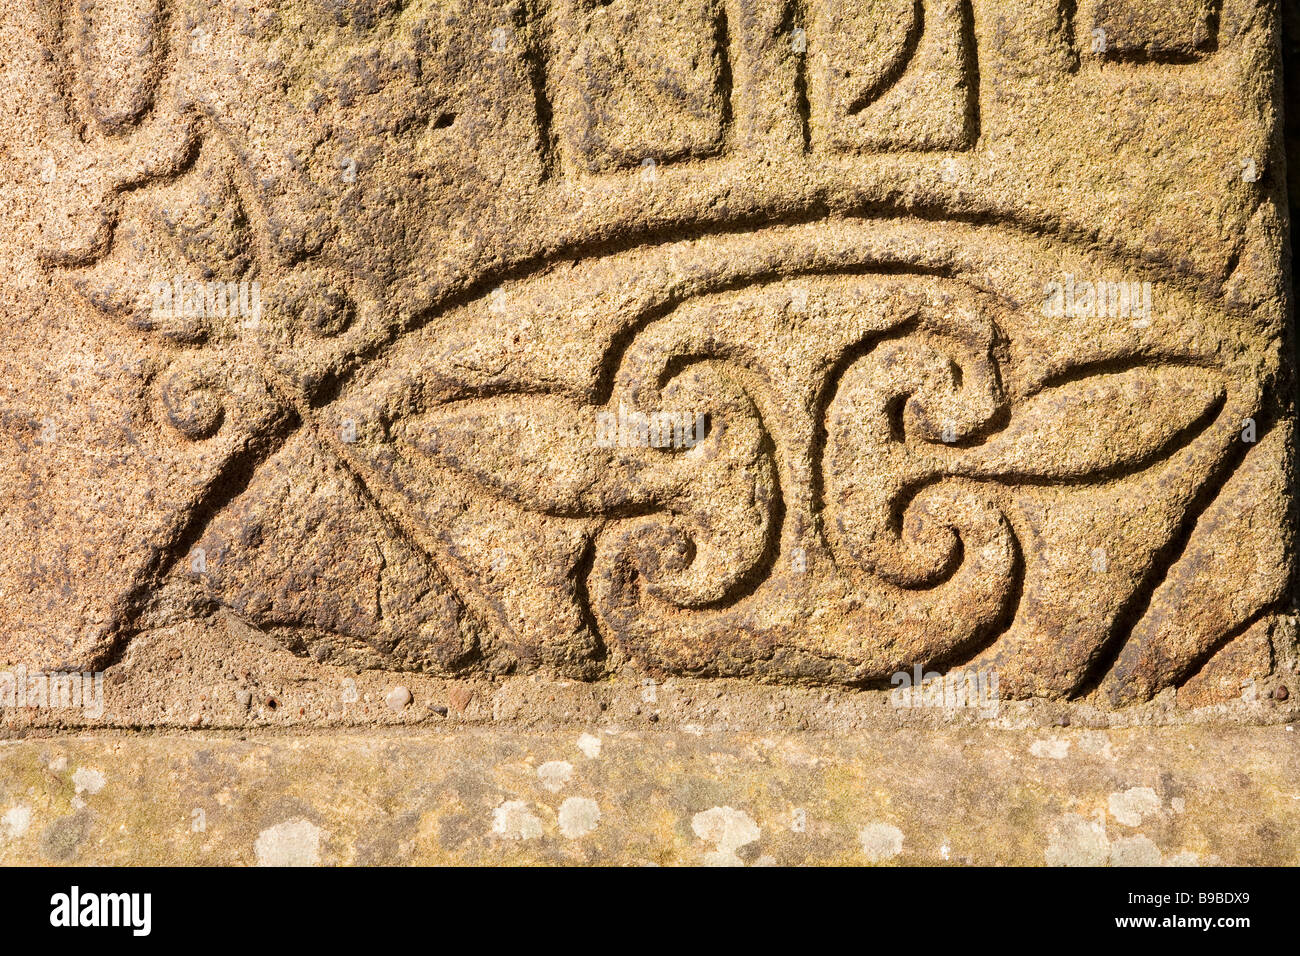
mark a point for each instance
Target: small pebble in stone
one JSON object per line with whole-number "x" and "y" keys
{"x": 459, "y": 698}
{"x": 1063, "y": 721}
{"x": 398, "y": 697}
{"x": 654, "y": 718}
{"x": 245, "y": 698}
{"x": 1281, "y": 693}
{"x": 322, "y": 653}
{"x": 439, "y": 710}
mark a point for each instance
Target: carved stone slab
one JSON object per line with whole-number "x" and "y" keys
{"x": 792, "y": 341}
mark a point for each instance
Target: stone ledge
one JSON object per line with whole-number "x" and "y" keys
{"x": 605, "y": 795}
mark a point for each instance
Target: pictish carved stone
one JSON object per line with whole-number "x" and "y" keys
{"x": 795, "y": 341}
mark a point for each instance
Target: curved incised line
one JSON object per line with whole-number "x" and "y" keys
{"x": 897, "y": 66}
{"x": 673, "y": 231}
{"x": 752, "y": 579}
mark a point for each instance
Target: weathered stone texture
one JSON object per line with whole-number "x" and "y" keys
{"x": 1063, "y": 797}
